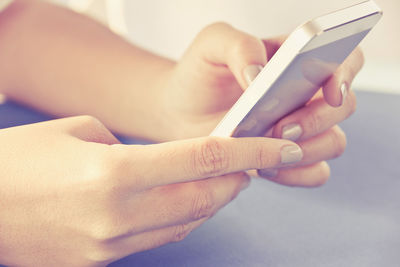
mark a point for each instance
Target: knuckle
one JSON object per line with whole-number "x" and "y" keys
{"x": 213, "y": 29}
{"x": 111, "y": 162}
{"x": 202, "y": 204}
{"x": 105, "y": 220}
{"x": 245, "y": 43}
{"x": 209, "y": 158}
{"x": 99, "y": 255}
{"x": 242, "y": 180}
{"x": 180, "y": 232}
{"x": 109, "y": 169}
{"x": 361, "y": 56}
{"x": 89, "y": 120}
{"x": 91, "y": 129}
{"x": 263, "y": 159}
{"x": 338, "y": 140}
{"x": 216, "y": 26}
{"x": 104, "y": 229}
{"x": 101, "y": 170}
{"x": 313, "y": 123}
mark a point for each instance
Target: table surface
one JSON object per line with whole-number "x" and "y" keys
{"x": 354, "y": 220}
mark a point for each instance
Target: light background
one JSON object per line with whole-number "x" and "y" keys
{"x": 168, "y": 27}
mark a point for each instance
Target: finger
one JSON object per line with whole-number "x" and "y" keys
{"x": 313, "y": 119}
{"x": 194, "y": 159}
{"x": 245, "y": 55}
{"x": 151, "y": 239}
{"x": 183, "y": 203}
{"x": 328, "y": 145}
{"x": 313, "y": 175}
{"x": 273, "y": 44}
{"x": 337, "y": 87}
{"x": 333, "y": 142}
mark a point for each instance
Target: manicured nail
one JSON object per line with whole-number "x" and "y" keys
{"x": 343, "y": 90}
{"x": 291, "y": 154}
{"x": 250, "y": 72}
{"x": 292, "y": 131}
{"x": 268, "y": 173}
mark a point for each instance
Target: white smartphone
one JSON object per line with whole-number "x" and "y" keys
{"x": 308, "y": 57}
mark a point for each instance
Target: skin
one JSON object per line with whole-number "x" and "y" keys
{"x": 71, "y": 180}
{"x": 71, "y": 195}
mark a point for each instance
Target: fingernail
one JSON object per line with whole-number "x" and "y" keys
{"x": 268, "y": 173}
{"x": 343, "y": 90}
{"x": 291, "y": 154}
{"x": 292, "y": 131}
{"x": 250, "y": 72}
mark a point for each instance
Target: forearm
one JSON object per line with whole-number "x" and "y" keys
{"x": 67, "y": 64}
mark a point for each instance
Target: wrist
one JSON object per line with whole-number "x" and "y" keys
{"x": 170, "y": 116}
{"x": 143, "y": 111}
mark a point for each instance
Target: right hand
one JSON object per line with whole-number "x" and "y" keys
{"x": 212, "y": 75}
{"x": 72, "y": 195}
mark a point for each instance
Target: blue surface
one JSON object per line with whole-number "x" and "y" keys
{"x": 354, "y": 220}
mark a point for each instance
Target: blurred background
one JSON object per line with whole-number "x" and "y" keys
{"x": 168, "y": 27}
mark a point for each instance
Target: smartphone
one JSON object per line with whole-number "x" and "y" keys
{"x": 308, "y": 57}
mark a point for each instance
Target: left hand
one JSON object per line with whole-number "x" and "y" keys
{"x": 216, "y": 69}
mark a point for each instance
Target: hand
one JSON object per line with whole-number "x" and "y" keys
{"x": 71, "y": 195}
{"x": 314, "y": 127}
{"x": 216, "y": 69}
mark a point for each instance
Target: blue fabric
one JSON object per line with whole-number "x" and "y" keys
{"x": 354, "y": 220}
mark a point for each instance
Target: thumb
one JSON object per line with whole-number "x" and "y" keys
{"x": 243, "y": 54}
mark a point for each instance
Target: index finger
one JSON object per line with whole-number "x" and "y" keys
{"x": 188, "y": 160}
{"x": 336, "y": 88}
